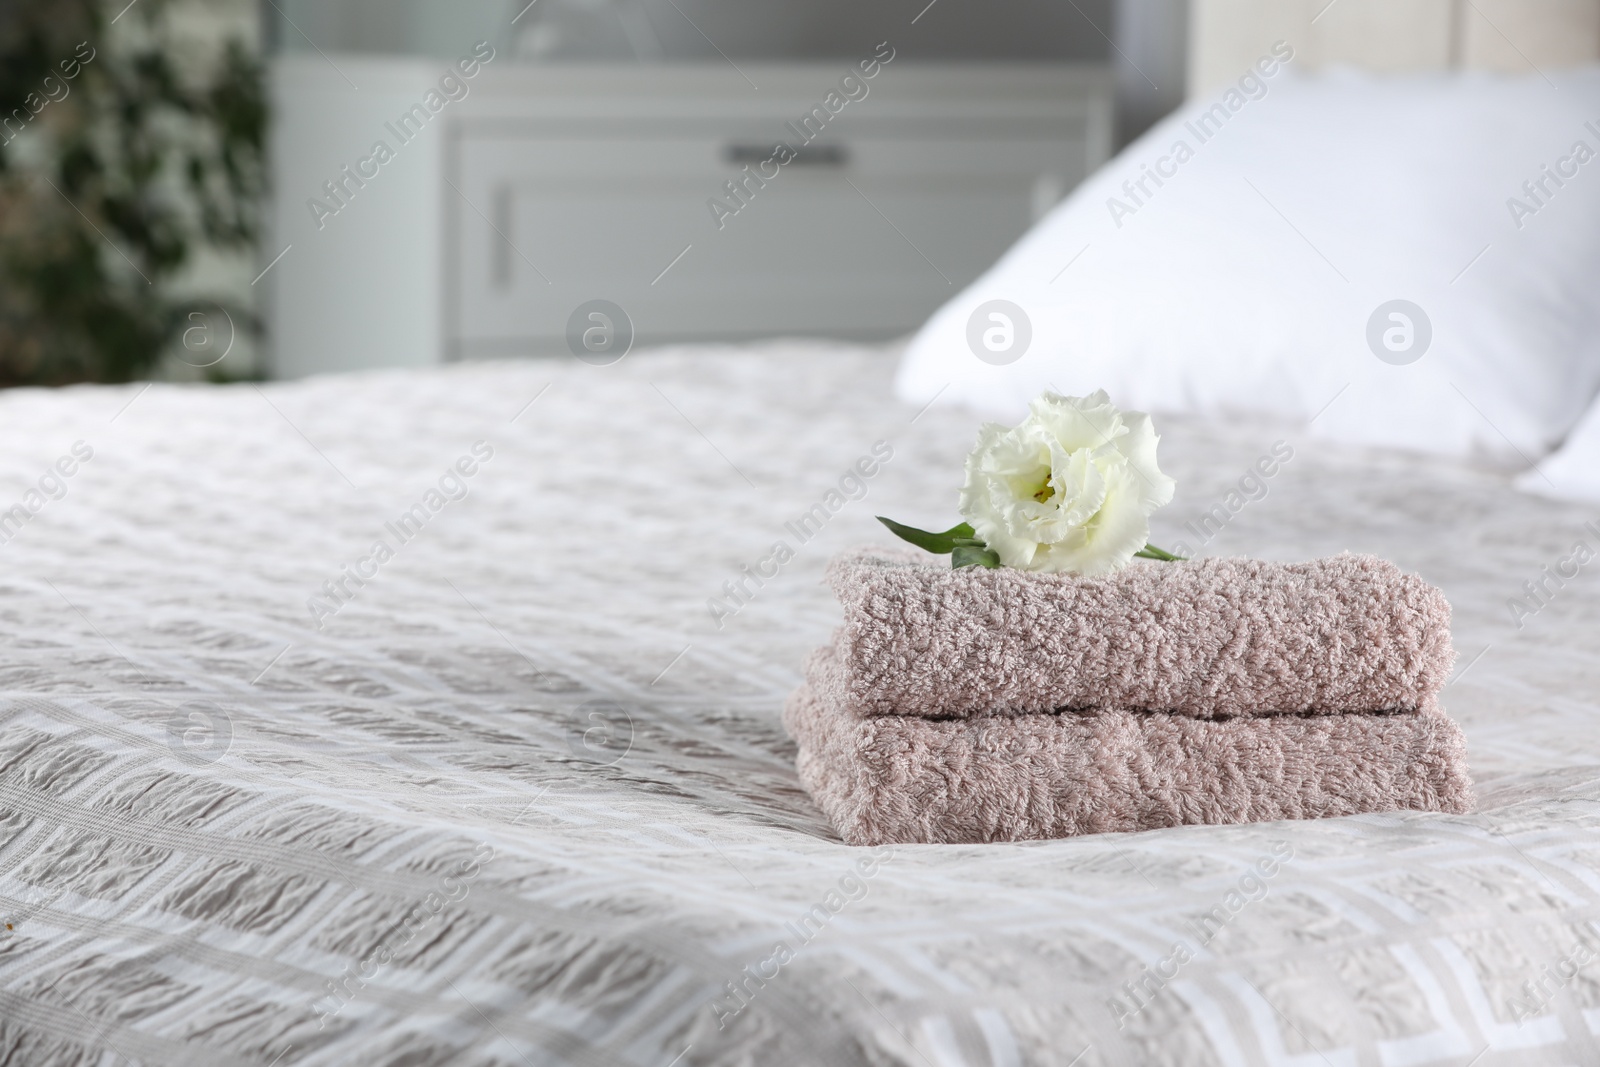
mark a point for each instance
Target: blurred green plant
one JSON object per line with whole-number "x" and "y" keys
{"x": 123, "y": 153}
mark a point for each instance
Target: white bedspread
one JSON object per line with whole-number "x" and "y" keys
{"x": 526, "y": 732}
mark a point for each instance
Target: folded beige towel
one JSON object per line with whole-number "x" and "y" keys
{"x": 1204, "y": 638}
{"x": 901, "y": 779}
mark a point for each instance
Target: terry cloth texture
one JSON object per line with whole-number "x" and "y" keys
{"x": 901, "y": 779}
{"x": 1204, "y": 638}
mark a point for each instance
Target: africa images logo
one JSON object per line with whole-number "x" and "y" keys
{"x": 1399, "y": 332}
{"x": 999, "y": 332}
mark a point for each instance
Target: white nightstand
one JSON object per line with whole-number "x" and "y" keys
{"x": 552, "y": 186}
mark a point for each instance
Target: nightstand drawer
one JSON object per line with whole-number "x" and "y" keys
{"x": 863, "y": 233}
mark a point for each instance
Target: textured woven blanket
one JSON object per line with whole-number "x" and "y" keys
{"x": 509, "y": 794}
{"x": 1209, "y": 637}
{"x": 904, "y": 779}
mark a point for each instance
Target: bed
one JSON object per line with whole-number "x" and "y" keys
{"x": 522, "y": 800}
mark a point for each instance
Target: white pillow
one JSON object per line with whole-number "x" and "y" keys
{"x": 1573, "y": 471}
{"x": 1246, "y": 280}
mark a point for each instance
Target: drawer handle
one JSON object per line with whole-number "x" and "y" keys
{"x": 817, "y": 155}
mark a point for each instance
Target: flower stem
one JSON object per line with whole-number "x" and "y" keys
{"x": 1152, "y": 552}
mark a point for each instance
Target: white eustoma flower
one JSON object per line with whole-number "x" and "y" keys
{"x": 1070, "y": 489}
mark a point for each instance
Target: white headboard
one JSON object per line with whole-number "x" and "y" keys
{"x": 1226, "y": 36}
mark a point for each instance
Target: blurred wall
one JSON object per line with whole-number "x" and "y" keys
{"x": 1512, "y": 36}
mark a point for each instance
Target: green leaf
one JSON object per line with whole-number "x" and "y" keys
{"x": 937, "y": 543}
{"x": 973, "y": 556}
{"x": 1152, "y": 552}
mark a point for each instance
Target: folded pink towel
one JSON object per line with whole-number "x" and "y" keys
{"x": 1204, "y": 638}
{"x": 898, "y": 779}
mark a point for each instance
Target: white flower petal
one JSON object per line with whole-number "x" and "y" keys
{"x": 1120, "y": 529}
{"x": 1070, "y": 489}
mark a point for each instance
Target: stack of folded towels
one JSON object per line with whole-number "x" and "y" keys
{"x": 1001, "y": 705}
